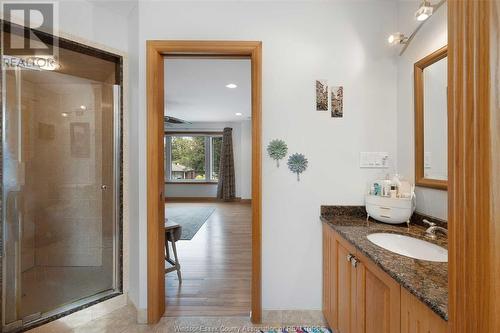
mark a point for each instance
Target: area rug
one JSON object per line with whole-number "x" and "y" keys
{"x": 190, "y": 218}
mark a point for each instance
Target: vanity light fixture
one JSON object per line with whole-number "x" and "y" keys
{"x": 397, "y": 38}
{"x": 424, "y": 11}
{"x": 64, "y": 114}
{"x": 231, "y": 86}
{"x": 83, "y": 107}
{"x": 238, "y": 114}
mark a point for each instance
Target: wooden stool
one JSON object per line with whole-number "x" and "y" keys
{"x": 173, "y": 233}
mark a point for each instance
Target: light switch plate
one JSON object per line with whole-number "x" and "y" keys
{"x": 377, "y": 160}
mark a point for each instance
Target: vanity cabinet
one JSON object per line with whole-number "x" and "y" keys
{"x": 339, "y": 304}
{"x": 378, "y": 298}
{"x": 359, "y": 297}
{"x": 417, "y": 317}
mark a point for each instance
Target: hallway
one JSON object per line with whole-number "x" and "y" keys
{"x": 215, "y": 264}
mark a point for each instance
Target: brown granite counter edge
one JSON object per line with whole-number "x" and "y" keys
{"x": 433, "y": 306}
{"x": 360, "y": 211}
{"x": 333, "y": 211}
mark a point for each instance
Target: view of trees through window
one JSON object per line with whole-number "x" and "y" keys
{"x": 191, "y": 155}
{"x": 188, "y": 157}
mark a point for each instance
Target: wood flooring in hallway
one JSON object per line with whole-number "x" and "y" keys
{"x": 215, "y": 265}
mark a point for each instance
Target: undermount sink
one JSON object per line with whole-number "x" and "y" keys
{"x": 409, "y": 247}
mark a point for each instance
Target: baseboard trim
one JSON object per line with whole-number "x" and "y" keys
{"x": 204, "y": 199}
{"x": 141, "y": 314}
{"x": 191, "y": 199}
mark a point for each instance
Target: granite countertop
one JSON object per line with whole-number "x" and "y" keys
{"x": 427, "y": 280}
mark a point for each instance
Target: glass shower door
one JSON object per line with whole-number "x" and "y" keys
{"x": 60, "y": 181}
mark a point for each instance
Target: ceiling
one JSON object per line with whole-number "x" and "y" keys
{"x": 195, "y": 89}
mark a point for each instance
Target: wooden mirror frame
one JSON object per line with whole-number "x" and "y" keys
{"x": 419, "y": 67}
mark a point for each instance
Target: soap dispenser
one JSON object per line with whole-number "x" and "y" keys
{"x": 395, "y": 186}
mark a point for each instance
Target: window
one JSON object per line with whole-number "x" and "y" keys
{"x": 192, "y": 157}
{"x": 216, "y": 145}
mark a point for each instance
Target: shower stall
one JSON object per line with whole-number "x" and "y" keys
{"x": 61, "y": 179}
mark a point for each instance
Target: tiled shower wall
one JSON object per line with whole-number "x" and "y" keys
{"x": 64, "y": 203}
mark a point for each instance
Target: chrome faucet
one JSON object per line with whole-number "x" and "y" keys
{"x": 433, "y": 229}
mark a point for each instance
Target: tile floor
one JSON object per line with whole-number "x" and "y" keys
{"x": 124, "y": 321}
{"x": 47, "y": 287}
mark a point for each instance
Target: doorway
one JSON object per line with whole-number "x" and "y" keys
{"x": 208, "y": 144}
{"x": 156, "y": 51}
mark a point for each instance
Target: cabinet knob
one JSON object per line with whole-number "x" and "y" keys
{"x": 354, "y": 262}
{"x": 349, "y": 257}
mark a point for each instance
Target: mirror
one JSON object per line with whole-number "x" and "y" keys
{"x": 431, "y": 120}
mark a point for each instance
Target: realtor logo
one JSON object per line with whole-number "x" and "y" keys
{"x": 24, "y": 23}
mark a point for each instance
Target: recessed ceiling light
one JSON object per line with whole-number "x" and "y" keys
{"x": 231, "y": 86}
{"x": 424, "y": 11}
{"x": 64, "y": 114}
{"x": 238, "y": 114}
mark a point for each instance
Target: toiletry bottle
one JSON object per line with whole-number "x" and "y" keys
{"x": 397, "y": 183}
{"x": 394, "y": 191}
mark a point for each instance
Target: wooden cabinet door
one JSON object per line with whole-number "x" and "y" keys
{"x": 339, "y": 282}
{"x": 345, "y": 287}
{"x": 416, "y": 317}
{"x": 378, "y": 299}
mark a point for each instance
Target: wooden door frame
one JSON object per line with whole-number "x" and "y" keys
{"x": 156, "y": 51}
{"x": 474, "y": 161}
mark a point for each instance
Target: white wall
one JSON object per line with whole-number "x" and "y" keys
{"x": 431, "y": 37}
{"x": 138, "y": 251}
{"x": 98, "y": 21}
{"x": 344, "y": 42}
{"x": 242, "y": 147}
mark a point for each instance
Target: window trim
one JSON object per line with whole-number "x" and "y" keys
{"x": 208, "y": 157}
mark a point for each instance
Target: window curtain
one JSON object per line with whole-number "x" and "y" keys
{"x": 226, "y": 187}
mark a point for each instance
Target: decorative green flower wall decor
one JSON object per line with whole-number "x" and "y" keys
{"x": 277, "y": 149}
{"x": 297, "y": 163}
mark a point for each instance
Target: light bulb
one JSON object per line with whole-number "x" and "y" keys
{"x": 397, "y": 38}
{"x": 424, "y": 11}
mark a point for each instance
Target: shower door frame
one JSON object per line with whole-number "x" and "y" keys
{"x": 117, "y": 290}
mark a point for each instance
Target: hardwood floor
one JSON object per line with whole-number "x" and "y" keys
{"x": 216, "y": 265}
